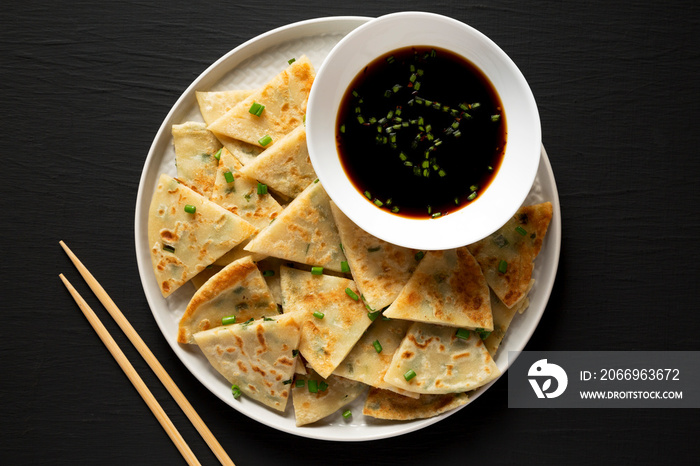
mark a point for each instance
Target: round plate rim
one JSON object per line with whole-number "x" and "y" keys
{"x": 145, "y": 189}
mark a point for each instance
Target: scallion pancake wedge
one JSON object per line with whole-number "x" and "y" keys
{"x": 256, "y": 356}
{"x": 506, "y": 257}
{"x": 433, "y": 360}
{"x": 383, "y": 404}
{"x": 303, "y": 232}
{"x": 238, "y": 290}
{"x": 195, "y": 147}
{"x": 215, "y": 104}
{"x": 285, "y": 167}
{"x": 370, "y": 357}
{"x": 201, "y": 278}
{"x": 270, "y": 268}
{"x": 322, "y": 397}
{"x": 243, "y": 151}
{"x": 238, "y": 252}
{"x": 238, "y": 193}
{"x": 380, "y": 269}
{"x": 332, "y": 320}
{"x": 446, "y": 288}
{"x": 183, "y": 243}
{"x": 285, "y": 97}
{"x": 502, "y": 317}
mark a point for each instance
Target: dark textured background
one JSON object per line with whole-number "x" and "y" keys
{"x": 85, "y": 86}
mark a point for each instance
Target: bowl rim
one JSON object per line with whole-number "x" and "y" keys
{"x": 512, "y": 184}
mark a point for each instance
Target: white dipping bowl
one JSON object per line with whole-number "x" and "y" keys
{"x": 512, "y": 182}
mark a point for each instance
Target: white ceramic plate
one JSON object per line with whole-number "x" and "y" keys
{"x": 248, "y": 66}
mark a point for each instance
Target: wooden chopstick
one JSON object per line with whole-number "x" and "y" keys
{"x": 131, "y": 373}
{"x": 150, "y": 359}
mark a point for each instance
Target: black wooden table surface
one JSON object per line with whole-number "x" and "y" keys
{"x": 86, "y": 85}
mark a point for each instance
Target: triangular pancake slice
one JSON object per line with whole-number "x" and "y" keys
{"x": 380, "y": 269}
{"x": 285, "y": 167}
{"x": 323, "y": 397}
{"x": 304, "y": 232}
{"x": 383, "y": 404}
{"x": 370, "y": 357}
{"x": 502, "y": 317}
{"x": 238, "y": 193}
{"x": 284, "y": 97}
{"x": 447, "y": 288}
{"x": 215, "y": 104}
{"x": 270, "y": 268}
{"x": 238, "y": 252}
{"x": 433, "y": 359}
{"x": 333, "y": 320}
{"x": 256, "y": 356}
{"x": 506, "y": 257}
{"x": 238, "y": 290}
{"x": 184, "y": 243}
{"x": 201, "y": 278}
{"x": 243, "y": 151}
{"x": 195, "y": 147}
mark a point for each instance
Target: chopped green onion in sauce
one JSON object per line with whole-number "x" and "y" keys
{"x": 407, "y": 116}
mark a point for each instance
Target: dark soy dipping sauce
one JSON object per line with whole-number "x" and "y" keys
{"x": 421, "y": 132}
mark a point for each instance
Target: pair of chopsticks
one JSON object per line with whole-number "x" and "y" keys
{"x": 131, "y": 373}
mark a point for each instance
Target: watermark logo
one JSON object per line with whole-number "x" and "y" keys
{"x": 604, "y": 379}
{"x": 544, "y": 371}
